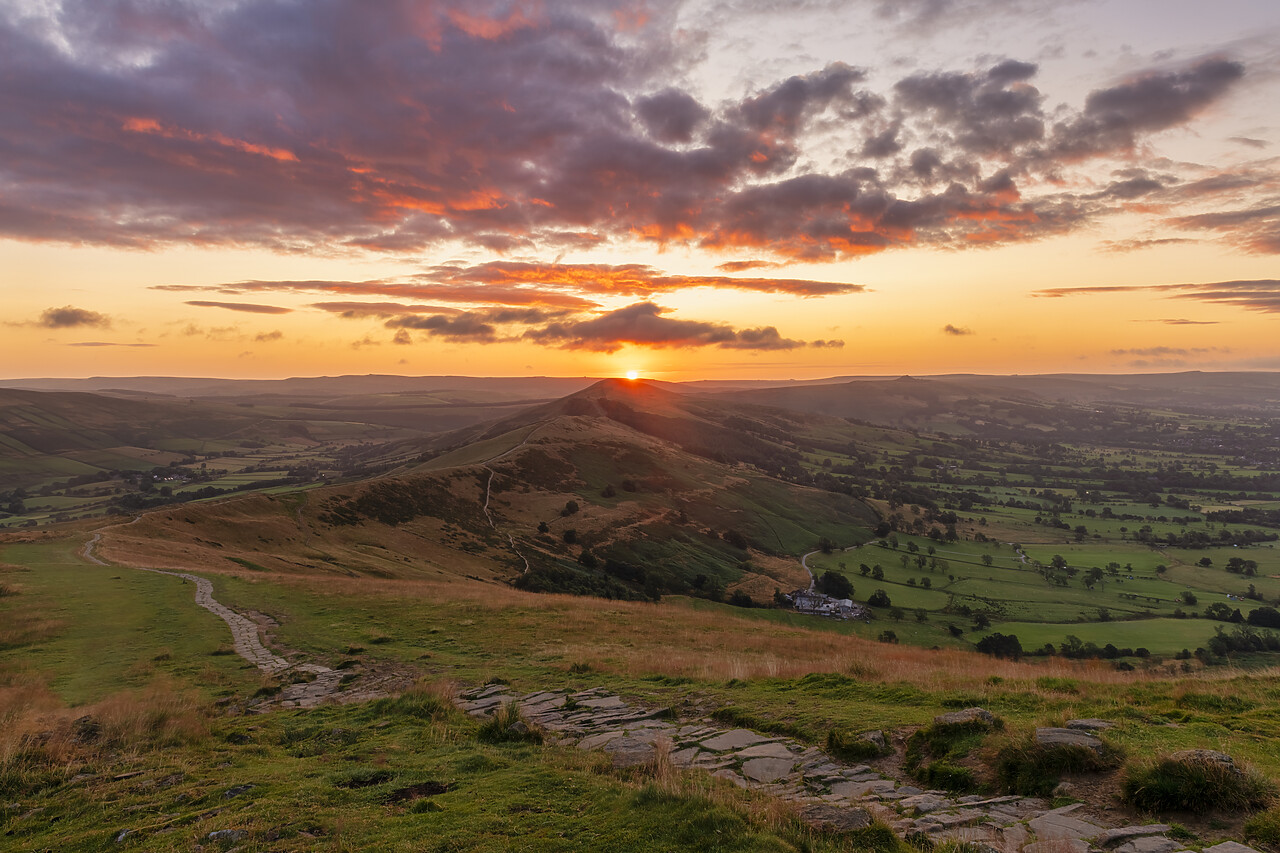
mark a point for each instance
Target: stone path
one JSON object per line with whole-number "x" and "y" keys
{"x": 830, "y": 792}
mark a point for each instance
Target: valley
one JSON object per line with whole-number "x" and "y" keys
{"x": 636, "y": 540}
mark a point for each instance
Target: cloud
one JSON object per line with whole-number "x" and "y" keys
{"x": 69, "y": 317}
{"x": 956, "y": 330}
{"x": 467, "y": 327}
{"x": 643, "y": 324}
{"x": 1114, "y": 118}
{"x": 1163, "y": 351}
{"x": 744, "y": 266}
{"x": 537, "y": 128}
{"x": 1256, "y": 229}
{"x": 1177, "y": 321}
{"x": 105, "y": 344}
{"x": 274, "y": 335}
{"x": 246, "y": 307}
{"x": 402, "y": 338}
{"x": 1249, "y": 141}
{"x": 1259, "y": 295}
{"x": 543, "y": 286}
{"x": 351, "y": 310}
{"x": 1138, "y": 244}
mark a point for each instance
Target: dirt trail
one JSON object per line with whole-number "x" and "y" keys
{"x": 315, "y": 683}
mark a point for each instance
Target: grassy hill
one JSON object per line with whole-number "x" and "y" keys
{"x": 622, "y": 490}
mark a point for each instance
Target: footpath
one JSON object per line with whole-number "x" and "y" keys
{"x": 830, "y": 792}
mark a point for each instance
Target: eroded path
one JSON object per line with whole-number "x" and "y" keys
{"x": 310, "y": 684}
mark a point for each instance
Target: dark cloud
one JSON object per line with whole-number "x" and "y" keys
{"x": 246, "y": 307}
{"x": 1177, "y": 321}
{"x": 274, "y": 335}
{"x": 466, "y": 326}
{"x": 671, "y": 115}
{"x": 643, "y": 324}
{"x": 69, "y": 317}
{"x": 996, "y": 112}
{"x": 956, "y": 330}
{"x": 402, "y": 126}
{"x": 1115, "y": 117}
{"x": 1249, "y": 141}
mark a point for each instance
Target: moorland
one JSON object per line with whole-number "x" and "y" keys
{"x": 1046, "y": 548}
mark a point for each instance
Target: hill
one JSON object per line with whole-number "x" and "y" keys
{"x": 622, "y": 490}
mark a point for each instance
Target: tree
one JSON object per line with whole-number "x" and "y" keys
{"x": 825, "y": 545}
{"x": 735, "y": 539}
{"x": 741, "y": 599}
{"x": 986, "y": 560}
{"x": 1001, "y": 646}
{"x": 1264, "y": 617}
{"x": 609, "y": 491}
{"x": 879, "y": 598}
{"x": 570, "y": 536}
{"x": 981, "y": 622}
{"x": 887, "y": 637}
{"x": 1188, "y": 597}
{"x": 927, "y": 583}
{"x": 877, "y": 573}
{"x": 864, "y": 570}
{"x": 542, "y": 527}
{"x": 570, "y": 507}
{"x": 834, "y": 585}
{"x": 922, "y": 615}
{"x": 896, "y": 614}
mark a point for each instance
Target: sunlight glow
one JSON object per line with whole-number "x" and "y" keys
{"x": 633, "y": 375}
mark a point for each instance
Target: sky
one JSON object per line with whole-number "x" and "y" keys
{"x": 706, "y": 189}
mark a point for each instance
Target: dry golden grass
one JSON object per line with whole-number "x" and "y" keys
{"x": 634, "y": 638}
{"x": 23, "y": 627}
{"x": 38, "y": 732}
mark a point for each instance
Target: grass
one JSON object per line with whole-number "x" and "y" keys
{"x": 934, "y": 753}
{"x": 96, "y": 630}
{"x": 381, "y": 776}
{"x": 1027, "y": 768}
{"x": 1173, "y": 784}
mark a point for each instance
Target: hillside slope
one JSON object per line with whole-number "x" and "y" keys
{"x": 622, "y": 490}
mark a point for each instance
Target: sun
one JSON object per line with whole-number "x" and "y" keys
{"x": 633, "y": 375}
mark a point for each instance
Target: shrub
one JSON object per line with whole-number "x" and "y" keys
{"x": 1195, "y": 783}
{"x": 1032, "y": 770}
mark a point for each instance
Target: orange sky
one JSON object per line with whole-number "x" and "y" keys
{"x": 442, "y": 191}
